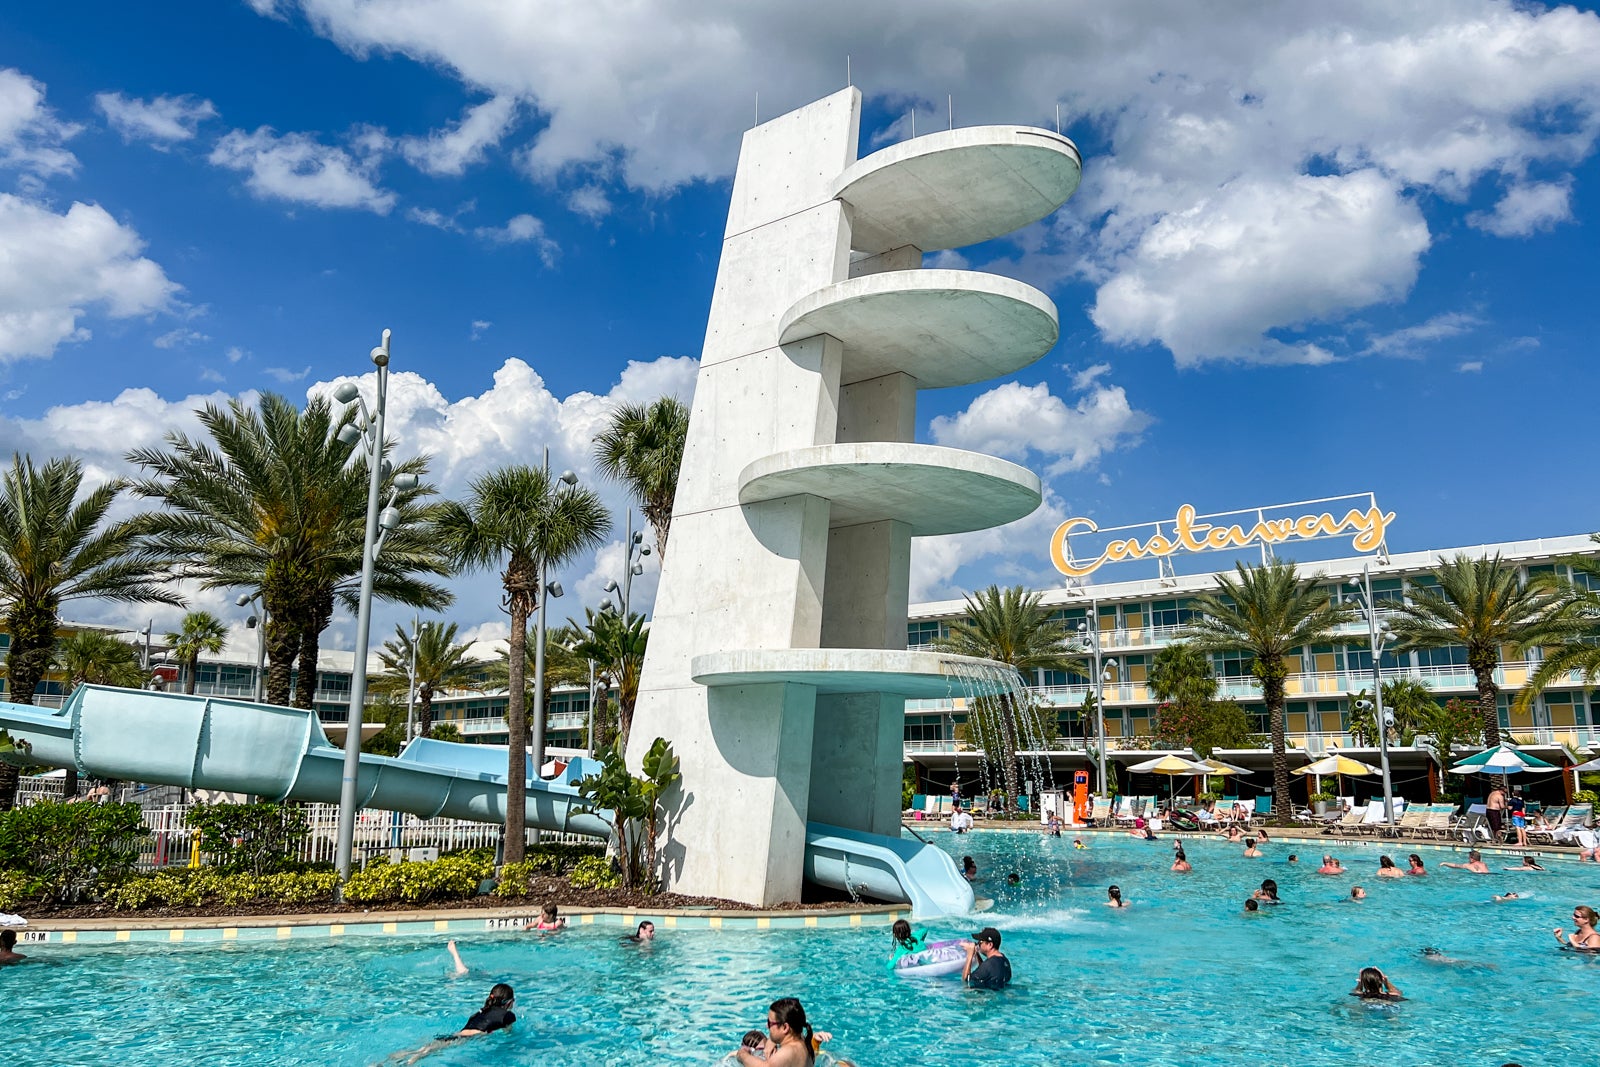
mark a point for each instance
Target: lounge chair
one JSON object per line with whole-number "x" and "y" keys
{"x": 1374, "y": 822}
{"x": 1412, "y": 822}
{"x": 1348, "y": 824}
{"x": 1576, "y": 818}
{"x": 1437, "y": 822}
{"x": 1473, "y": 826}
{"x": 1100, "y": 813}
{"x": 1124, "y": 812}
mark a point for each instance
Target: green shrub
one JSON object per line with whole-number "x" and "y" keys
{"x": 185, "y": 888}
{"x": 259, "y": 838}
{"x": 448, "y": 878}
{"x": 1586, "y": 796}
{"x": 71, "y": 849}
{"x": 17, "y": 888}
{"x": 595, "y": 872}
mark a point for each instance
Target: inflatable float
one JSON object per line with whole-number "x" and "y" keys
{"x": 938, "y": 959}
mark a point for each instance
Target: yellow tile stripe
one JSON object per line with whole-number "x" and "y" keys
{"x": 811, "y": 920}
{"x": 336, "y": 930}
{"x": 69, "y": 935}
{"x": 670, "y": 920}
{"x": 763, "y": 923}
{"x": 174, "y": 935}
{"x": 441, "y": 924}
{"x": 284, "y": 933}
{"x": 124, "y": 935}
{"x": 716, "y": 922}
{"x": 390, "y": 928}
{"x": 230, "y": 933}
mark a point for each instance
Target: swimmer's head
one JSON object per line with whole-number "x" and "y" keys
{"x": 901, "y": 930}
{"x": 1249, "y": 842}
{"x": 753, "y": 1039}
{"x": 1251, "y": 905}
{"x": 1114, "y": 893}
{"x": 1293, "y": 858}
{"x": 1430, "y": 951}
{"x": 501, "y": 996}
{"x": 645, "y": 931}
{"x": 548, "y": 913}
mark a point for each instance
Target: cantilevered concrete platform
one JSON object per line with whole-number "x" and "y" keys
{"x": 941, "y": 327}
{"x": 957, "y": 188}
{"x": 917, "y": 675}
{"x": 933, "y": 490}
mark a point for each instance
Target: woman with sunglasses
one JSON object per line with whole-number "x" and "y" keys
{"x": 790, "y": 1035}
{"x": 1585, "y": 937}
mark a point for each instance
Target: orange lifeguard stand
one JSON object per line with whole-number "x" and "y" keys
{"x": 1080, "y": 797}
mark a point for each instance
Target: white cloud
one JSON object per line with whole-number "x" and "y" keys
{"x": 1013, "y": 420}
{"x": 235, "y": 353}
{"x": 56, "y": 267}
{"x": 1408, "y": 341}
{"x": 1087, "y": 376}
{"x": 179, "y": 337}
{"x": 1208, "y": 116}
{"x": 1526, "y": 208}
{"x": 297, "y": 168}
{"x": 428, "y": 216}
{"x": 287, "y": 376}
{"x": 1471, "y": 366}
{"x": 480, "y": 327}
{"x": 522, "y": 229}
{"x": 451, "y": 151}
{"x": 30, "y": 134}
{"x": 162, "y": 119}
{"x": 1211, "y": 281}
{"x": 590, "y": 201}
{"x": 1014, "y": 554}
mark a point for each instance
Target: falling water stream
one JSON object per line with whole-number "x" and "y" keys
{"x": 983, "y": 686}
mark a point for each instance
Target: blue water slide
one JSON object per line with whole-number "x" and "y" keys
{"x": 236, "y": 746}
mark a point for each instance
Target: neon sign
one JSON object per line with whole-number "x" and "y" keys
{"x": 1190, "y": 535}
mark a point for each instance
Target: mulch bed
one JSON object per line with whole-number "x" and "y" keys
{"x": 551, "y": 888}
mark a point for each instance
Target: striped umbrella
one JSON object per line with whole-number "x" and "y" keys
{"x": 1502, "y": 759}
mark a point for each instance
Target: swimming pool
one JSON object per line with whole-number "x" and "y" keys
{"x": 1183, "y": 977}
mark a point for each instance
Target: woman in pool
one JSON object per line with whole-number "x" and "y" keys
{"x": 1250, "y": 849}
{"x": 1387, "y": 869}
{"x": 1268, "y": 893}
{"x": 1416, "y": 867}
{"x": 1585, "y": 937}
{"x": 1528, "y": 864}
{"x": 495, "y": 1015}
{"x": 1373, "y": 984}
{"x": 1114, "y": 898}
{"x": 549, "y": 919}
{"x": 1180, "y": 862}
{"x": 969, "y": 868}
{"x": 791, "y": 1036}
{"x": 643, "y": 934}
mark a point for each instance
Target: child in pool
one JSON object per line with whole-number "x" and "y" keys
{"x": 549, "y": 920}
{"x": 906, "y": 941}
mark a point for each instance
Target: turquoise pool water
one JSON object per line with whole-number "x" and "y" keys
{"x": 1183, "y": 977}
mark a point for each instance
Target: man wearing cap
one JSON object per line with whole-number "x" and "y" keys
{"x": 994, "y": 970}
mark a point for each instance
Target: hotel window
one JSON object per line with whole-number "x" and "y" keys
{"x": 925, "y": 728}
{"x": 1388, "y": 592}
{"x": 1565, "y": 709}
{"x": 1358, "y": 659}
{"x": 1449, "y": 656}
{"x": 1140, "y": 718}
{"x": 924, "y": 633}
{"x": 1233, "y": 664}
{"x": 1170, "y": 612}
{"x": 1058, "y": 678}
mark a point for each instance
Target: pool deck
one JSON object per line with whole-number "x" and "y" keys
{"x": 455, "y": 921}
{"x": 1279, "y": 834}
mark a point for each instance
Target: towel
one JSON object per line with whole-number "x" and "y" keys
{"x": 12, "y": 920}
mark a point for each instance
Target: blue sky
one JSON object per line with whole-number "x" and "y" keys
{"x": 1315, "y": 252}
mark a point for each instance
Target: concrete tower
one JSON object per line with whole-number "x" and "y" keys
{"x": 777, "y": 662}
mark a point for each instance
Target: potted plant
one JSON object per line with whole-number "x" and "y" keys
{"x": 1319, "y": 802}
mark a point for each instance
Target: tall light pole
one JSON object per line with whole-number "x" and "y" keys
{"x": 1102, "y": 668}
{"x": 258, "y": 623}
{"x": 411, "y": 682}
{"x": 1378, "y": 637}
{"x": 367, "y": 431}
{"x": 148, "y": 627}
{"x": 635, "y": 551}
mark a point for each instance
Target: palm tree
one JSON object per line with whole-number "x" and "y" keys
{"x": 616, "y": 647}
{"x": 199, "y": 632}
{"x": 642, "y": 447}
{"x": 515, "y": 518}
{"x": 1181, "y": 673}
{"x": 56, "y": 547}
{"x": 1268, "y": 611}
{"x": 1481, "y": 605}
{"x": 97, "y": 658}
{"x": 441, "y": 663}
{"x": 276, "y": 503}
{"x": 1009, "y": 626}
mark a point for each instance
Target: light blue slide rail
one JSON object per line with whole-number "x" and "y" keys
{"x": 237, "y": 746}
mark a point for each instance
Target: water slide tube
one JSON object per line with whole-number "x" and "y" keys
{"x": 237, "y": 746}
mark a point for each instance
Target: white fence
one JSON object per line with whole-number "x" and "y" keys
{"x": 171, "y": 842}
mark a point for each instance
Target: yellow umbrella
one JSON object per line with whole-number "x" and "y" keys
{"x": 1170, "y": 765}
{"x": 1337, "y": 763}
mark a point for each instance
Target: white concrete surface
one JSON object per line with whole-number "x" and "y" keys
{"x": 914, "y": 675}
{"x": 801, "y": 486}
{"x": 958, "y": 187}
{"x": 941, "y": 327}
{"x": 932, "y": 489}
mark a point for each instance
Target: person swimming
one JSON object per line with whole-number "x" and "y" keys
{"x": 1250, "y": 847}
{"x": 1373, "y": 984}
{"x": 1114, "y": 898}
{"x": 644, "y": 933}
{"x": 969, "y": 868}
{"x": 1180, "y": 862}
{"x": 1252, "y": 904}
{"x": 906, "y": 941}
{"x": 549, "y": 919}
{"x": 496, "y": 1014}
{"x": 1077, "y": 842}
{"x": 1268, "y": 893}
{"x": 1357, "y": 893}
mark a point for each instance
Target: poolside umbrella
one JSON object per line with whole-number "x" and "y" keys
{"x": 1337, "y": 765}
{"x": 1592, "y": 765}
{"x": 1215, "y": 768}
{"x": 1171, "y": 766}
{"x": 1502, "y": 759}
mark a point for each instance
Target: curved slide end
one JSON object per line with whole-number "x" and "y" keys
{"x": 887, "y": 868}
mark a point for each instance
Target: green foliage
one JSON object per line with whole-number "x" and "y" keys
{"x": 616, "y": 647}
{"x": 259, "y": 838}
{"x": 641, "y": 446}
{"x": 1586, "y": 796}
{"x": 516, "y": 879}
{"x": 206, "y": 886}
{"x": 17, "y": 888}
{"x": 594, "y": 873}
{"x": 618, "y": 791}
{"x": 1204, "y": 726}
{"x": 1324, "y": 797}
{"x": 1180, "y": 673}
{"x": 96, "y": 657}
{"x": 71, "y": 849}
{"x": 447, "y": 878}
{"x": 1458, "y": 722}
{"x": 908, "y": 786}
{"x": 446, "y": 731}
{"x": 434, "y": 662}
{"x": 199, "y": 632}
